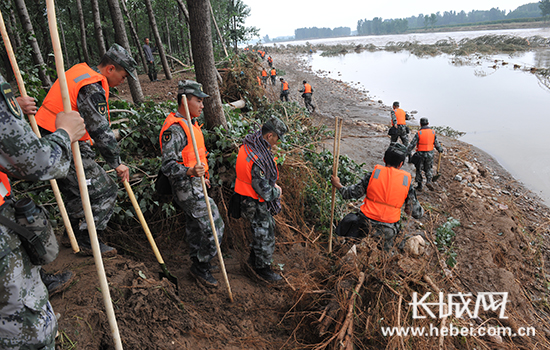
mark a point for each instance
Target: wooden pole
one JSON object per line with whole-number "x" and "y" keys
{"x": 82, "y": 178}
{"x": 336, "y": 157}
{"x": 205, "y": 191}
{"x": 217, "y": 29}
{"x": 23, "y": 92}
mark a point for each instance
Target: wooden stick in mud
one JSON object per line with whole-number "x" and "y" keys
{"x": 336, "y": 155}
{"x": 203, "y": 182}
{"x": 32, "y": 121}
{"x": 82, "y": 178}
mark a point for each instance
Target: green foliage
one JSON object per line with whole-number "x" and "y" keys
{"x": 448, "y": 131}
{"x": 444, "y": 236}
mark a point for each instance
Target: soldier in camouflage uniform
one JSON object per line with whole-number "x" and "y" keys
{"x": 424, "y": 141}
{"x": 179, "y": 164}
{"x": 89, "y": 91}
{"x": 398, "y": 120}
{"x": 27, "y": 320}
{"x": 257, "y": 174}
{"x": 389, "y": 191}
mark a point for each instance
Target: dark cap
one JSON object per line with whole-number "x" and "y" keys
{"x": 191, "y": 87}
{"x": 424, "y": 121}
{"x": 395, "y": 154}
{"x": 398, "y": 148}
{"x": 276, "y": 125}
{"x": 396, "y": 104}
{"x": 123, "y": 58}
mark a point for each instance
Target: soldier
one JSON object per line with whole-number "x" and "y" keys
{"x": 399, "y": 120}
{"x": 264, "y": 78}
{"x": 152, "y": 69}
{"x": 307, "y": 92}
{"x": 26, "y": 316}
{"x": 180, "y": 166}
{"x": 386, "y": 189}
{"x": 257, "y": 174}
{"x": 273, "y": 73}
{"x": 426, "y": 140}
{"x": 89, "y": 92}
{"x": 284, "y": 90}
{"x": 270, "y": 61}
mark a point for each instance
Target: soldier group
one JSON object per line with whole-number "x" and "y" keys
{"x": 26, "y": 315}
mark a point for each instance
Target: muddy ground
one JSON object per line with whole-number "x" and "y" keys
{"x": 501, "y": 247}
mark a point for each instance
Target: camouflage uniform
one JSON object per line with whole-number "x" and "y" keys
{"x": 27, "y": 320}
{"x": 401, "y": 131}
{"x": 152, "y": 68}
{"x": 387, "y": 231}
{"x": 427, "y": 158}
{"x": 188, "y": 194}
{"x": 261, "y": 220}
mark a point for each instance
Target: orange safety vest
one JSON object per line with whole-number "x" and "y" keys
{"x": 264, "y": 73}
{"x": 77, "y": 77}
{"x": 387, "y": 190}
{"x": 243, "y": 182}
{"x": 273, "y": 72}
{"x": 259, "y": 80}
{"x": 426, "y": 140}
{"x": 269, "y": 59}
{"x": 188, "y": 152}
{"x": 307, "y": 88}
{"x": 5, "y": 187}
{"x": 400, "y": 116}
{"x": 285, "y": 86}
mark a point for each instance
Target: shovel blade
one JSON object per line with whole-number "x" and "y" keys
{"x": 165, "y": 273}
{"x": 436, "y": 177}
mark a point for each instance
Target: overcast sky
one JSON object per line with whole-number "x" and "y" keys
{"x": 282, "y": 17}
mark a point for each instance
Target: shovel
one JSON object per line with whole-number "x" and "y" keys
{"x": 165, "y": 272}
{"x": 438, "y": 164}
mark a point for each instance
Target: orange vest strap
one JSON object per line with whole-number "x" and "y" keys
{"x": 5, "y": 187}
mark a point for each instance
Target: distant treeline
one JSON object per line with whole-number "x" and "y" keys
{"x": 378, "y": 26}
{"x": 312, "y": 33}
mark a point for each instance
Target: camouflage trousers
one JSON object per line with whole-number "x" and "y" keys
{"x": 263, "y": 230}
{"x": 102, "y": 190}
{"x": 152, "y": 70}
{"x": 307, "y": 101}
{"x": 29, "y": 330}
{"x": 189, "y": 196}
{"x": 401, "y": 134}
{"x": 425, "y": 164}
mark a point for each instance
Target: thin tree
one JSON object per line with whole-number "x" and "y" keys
{"x": 82, "y": 31}
{"x": 122, "y": 39}
{"x": 137, "y": 42}
{"x": 158, "y": 41}
{"x": 544, "y": 7}
{"x": 185, "y": 13}
{"x": 203, "y": 55}
{"x": 98, "y": 31}
{"x": 31, "y": 37}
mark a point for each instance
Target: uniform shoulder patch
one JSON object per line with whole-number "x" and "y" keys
{"x": 11, "y": 102}
{"x": 99, "y": 102}
{"x": 166, "y": 136}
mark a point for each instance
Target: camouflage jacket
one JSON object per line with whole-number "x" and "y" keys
{"x": 261, "y": 185}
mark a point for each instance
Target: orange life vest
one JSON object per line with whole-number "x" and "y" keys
{"x": 264, "y": 73}
{"x": 5, "y": 187}
{"x": 259, "y": 80}
{"x": 400, "y": 116}
{"x": 387, "y": 190}
{"x": 269, "y": 59}
{"x": 273, "y": 72}
{"x": 307, "y": 88}
{"x": 243, "y": 182}
{"x": 285, "y": 86}
{"x": 188, "y": 152}
{"x": 77, "y": 77}
{"x": 426, "y": 140}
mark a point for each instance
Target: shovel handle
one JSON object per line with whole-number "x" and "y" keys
{"x": 439, "y": 162}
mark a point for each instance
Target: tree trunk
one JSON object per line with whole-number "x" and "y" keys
{"x": 168, "y": 35}
{"x": 156, "y": 34}
{"x": 183, "y": 10}
{"x": 122, "y": 39}
{"x": 82, "y": 31}
{"x": 15, "y": 31}
{"x": 134, "y": 35}
{"x": 97, "y": 29}
{"x": 31, "y": 37}
{"x": 203, "y": 55}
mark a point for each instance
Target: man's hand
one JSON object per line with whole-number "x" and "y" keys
{"x": 335, "y": 182}
{"x": 280, "y": 190}
{"x": 197, "y": 170}
{"x": 72, "y": 123}
{"x": 123, "y": 172}
{"x": 27, "y": 104}
{"x": 207, "y": 182}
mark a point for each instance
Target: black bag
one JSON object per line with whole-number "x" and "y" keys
{"x": 235, "y": 206}
{"x": 392, "y": 131}
{"x": 353, "y": 225}
{"x": 416, "y": 159}
{"x": 163, "y": 184}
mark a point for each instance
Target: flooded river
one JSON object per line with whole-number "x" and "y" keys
{"x": 504, "y": 110}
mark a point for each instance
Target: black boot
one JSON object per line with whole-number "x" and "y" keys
{"x": 267, "y": 274}
{"x": 58, "y": 282}
{"x": 419, "y": 187}
{"x": 201, "y": 271}
{"x": 85, "y": 245}
{"x": 430, "y": 185}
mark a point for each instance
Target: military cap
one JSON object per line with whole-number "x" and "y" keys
{"x": 191, "y": 87}
{"x": 424, "y": 121}
{"x": 276, "y": 125}
{"x": 122, "y": 57}
{"x": 397, "y": 148}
